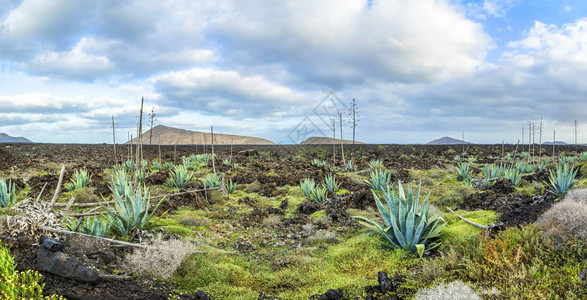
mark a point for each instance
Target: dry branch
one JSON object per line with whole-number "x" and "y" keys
{"x": 56, "y": 194}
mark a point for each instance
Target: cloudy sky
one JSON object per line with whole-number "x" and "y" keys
{"x": 418, "y": 69}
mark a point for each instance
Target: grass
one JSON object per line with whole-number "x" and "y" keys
{"x": 458, "y": 230}
{"x": 349, "y": 265}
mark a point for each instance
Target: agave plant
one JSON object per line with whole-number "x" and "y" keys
{"x": 141, "y": 175}
{"x": 514, "y": 176}
{"x": 491, "y": 172}
{"x": 463, "y": 172}
{"x": 330, "y": 183}
{"x": 380, "y": 179}
{"x": 120, "y": 179}
{"x": 563, "y": 179}
{"x": 96, "y": 226}
{"x": 212, "y": 180}
{"x": 349, "y": 166}
{"x": 524, "y": 168}
{"x": 318, "y": 194}
{"x": 7, "y": 193}
{"x": 130, "y": 166}
{"x": 80, "y": 179}
{"x": 156, "y": 165}
{"x": 375, "y": 163}
{"x": 319, "y": 163}
{"x": 179, "y": 177}
{"x": 130, "y": 211}
{"x": 407, "y": 223}
{"x": 307, "y": 186}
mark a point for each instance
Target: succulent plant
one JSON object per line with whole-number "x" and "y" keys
{"x": 307, "y": 186}
{"x": 7, "y": 193}
{"x": 407, "y": 223}
{"x": 380, "y": 179}
{"x": 330, "y": 183}
{"x": 179, "y": 177}
{"x": 562, "y": 179}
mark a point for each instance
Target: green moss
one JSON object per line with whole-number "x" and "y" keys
{"x": 298, "y": 158}
{"x": 458, "y": 230}
{"x": 349, "y": 265}
{"x": 342, "y": 191}
{"x": 318, "y": 215}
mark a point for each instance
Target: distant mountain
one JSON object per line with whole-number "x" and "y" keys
{"x": 316, "y": 140}
{"x": 445, "y": 140}
{"x": 556, "y": 143}
{"x": 164, "y": 135}
{"x": 5, "y": 138}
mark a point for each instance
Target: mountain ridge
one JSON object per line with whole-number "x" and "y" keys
{"x": 166, "y": 135}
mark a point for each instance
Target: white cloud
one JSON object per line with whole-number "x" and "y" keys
{"x": 218, "y": 91}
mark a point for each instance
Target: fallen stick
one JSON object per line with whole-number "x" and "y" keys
{"x": 83, "y": 204}
{"x": 69, "y": 204}
{"x": 470, "y": 222}
{"x": 56, "y": 194}
{"x": 54, "y": 230}
{"x": 101, "y": 238}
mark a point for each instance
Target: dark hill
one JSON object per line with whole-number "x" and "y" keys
{"x": 447, "y": 141}
{"x": 5, "y": 138}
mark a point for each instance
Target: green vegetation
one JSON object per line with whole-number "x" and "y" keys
{"x": 307, "y": 185}
{"x": 230, "y": 186}
{"x": 7, "y": 193}
{"x": 80, "y": 179}
{"x": 179, "y": 177}
{"x": 407, "y": 221}
{"x": 19, "y": 285}
{"x": 330, "y": 183}
{"x": 96, "y": 226}
{"x": 463, "y": 172}
{"x": 212, "y": 181}
{"x": 562, "y": 179}
{"x": 318, "y": 194}
{"x": 130, "y": 211}
{"x": 379, "y": 180}
{"x": 376, "y": 163}
{"x": 513, "y": 175}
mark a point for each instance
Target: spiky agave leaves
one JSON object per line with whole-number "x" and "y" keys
{"x": 130, "y": 211}
{"x": 562, "y": 179}
{"x": 7, "y": 193}
{"x": 380, "y": 179}
{"x": 407, "y": 222}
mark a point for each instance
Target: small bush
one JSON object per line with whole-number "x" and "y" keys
{"x": 19, "y": 285}
{"x": 449, "y": 291}
{"x": 565, "y": 218}
{"x": 576, "y": 195}
{"x": 160, "y": 260}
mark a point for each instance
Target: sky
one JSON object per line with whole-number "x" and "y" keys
{"x": 281, "y": 70}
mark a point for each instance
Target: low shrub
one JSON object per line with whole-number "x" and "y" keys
{"x": 566, "y": 218}
{"x": 19, "y": 285}
{"x": 576, "y": 195}
{"x": 448, "y": 291}
{"x": 160, "y": 260}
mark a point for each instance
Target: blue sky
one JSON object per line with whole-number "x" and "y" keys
{"x": 418, "y": 69}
